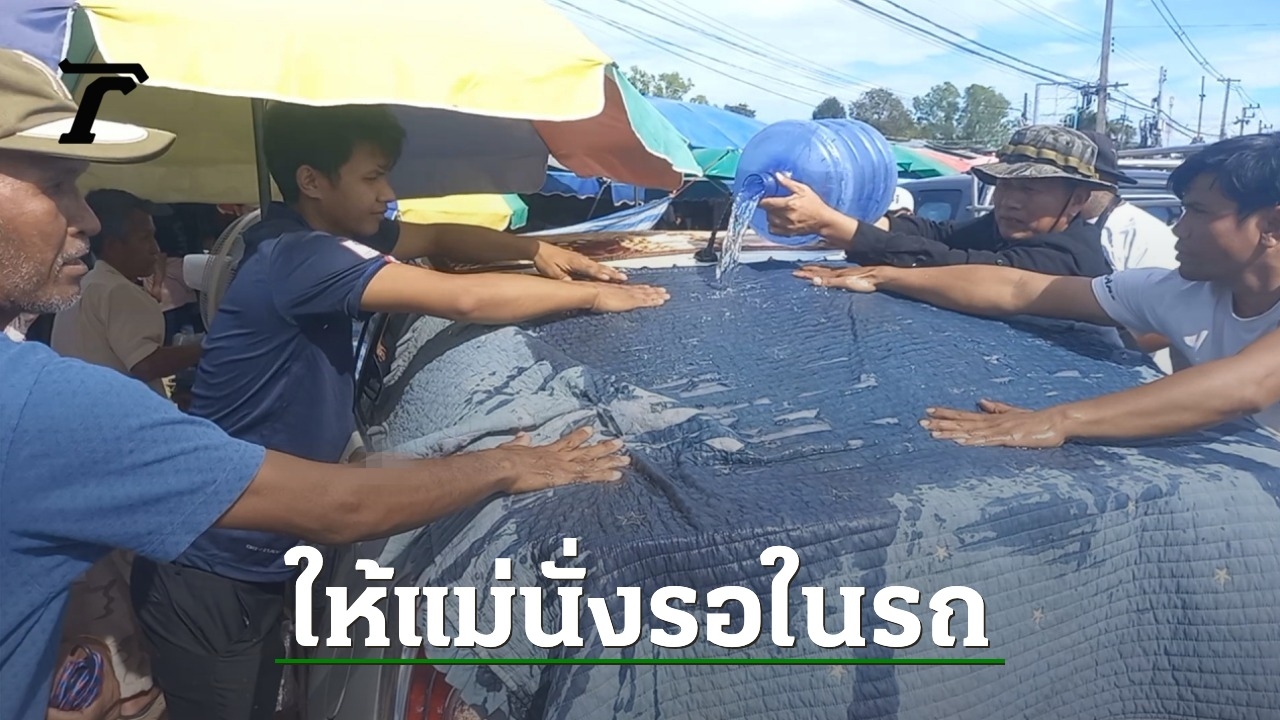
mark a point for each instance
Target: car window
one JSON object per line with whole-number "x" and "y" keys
{"x": 938, "y": 205}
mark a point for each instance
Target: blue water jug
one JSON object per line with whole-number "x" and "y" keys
{"x": 848, "y": 163}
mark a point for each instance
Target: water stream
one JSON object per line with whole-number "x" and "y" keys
{"x": 744, "y": 206}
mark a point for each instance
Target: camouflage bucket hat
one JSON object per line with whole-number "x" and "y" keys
{"x": 1046, "y": 151}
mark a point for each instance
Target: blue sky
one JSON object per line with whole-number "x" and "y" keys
{"x": 783, "y": 56}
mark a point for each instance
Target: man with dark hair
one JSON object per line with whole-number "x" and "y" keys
{"x": 92, "y": 461}
{"x": 1044, "y": 178}
{"x": 1220, "y": 308}
{"x": 117, "y": 323}
{"x": 279, "y": 370}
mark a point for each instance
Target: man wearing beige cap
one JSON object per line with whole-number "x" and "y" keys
{"x": 92, "y": 460}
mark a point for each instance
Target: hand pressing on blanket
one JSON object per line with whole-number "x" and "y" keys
{"x": 997, "y": 424}
{"x": 563, "y": 264}
{"x": 565, "y": 461}
{"x": 624, "y": 298}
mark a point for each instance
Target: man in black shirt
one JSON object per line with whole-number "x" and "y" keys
{"x": 1043, "y": 179}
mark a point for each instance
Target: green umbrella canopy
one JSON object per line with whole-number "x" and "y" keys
{"x": 916, "y": 165}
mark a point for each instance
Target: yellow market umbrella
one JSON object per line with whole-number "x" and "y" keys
{"x": 497, "y": 212}
{"x": 487, "y": 90}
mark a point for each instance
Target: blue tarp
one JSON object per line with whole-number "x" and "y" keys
{"x": 563, "y": 182}
{"x": 1134, "y": 581}
{"x": 38, "y": 27}
{"x": 708, "y": 127}
{"x": 642, "y": 217}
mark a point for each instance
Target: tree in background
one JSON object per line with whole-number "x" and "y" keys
{"x": 674, "y": 86}
{"x": 1121, "y": 131}
{"x": 828, "y": 109}
{"x": 886, "y": 112}
{"x": 670, "y": 85}
{"x": 938, "y": 112}
{"x": 984, "y": 117}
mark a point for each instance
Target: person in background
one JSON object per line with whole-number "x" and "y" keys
{"x": 1220, "y": 307}
{"x": 177, "y": 301}
{"x": 278, "y": 370}
{"x": 93, "y": 461}
{"x": 117, "y": 323}
{"x": 1043, "y": 180}
{"x": 1132, "y": 238}
{"x": 903, "y": 203}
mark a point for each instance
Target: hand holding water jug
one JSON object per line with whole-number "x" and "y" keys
{"x": 803, "y": 213}
{"x": 842, "y": 168}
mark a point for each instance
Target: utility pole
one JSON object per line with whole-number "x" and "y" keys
{"x": 1106, "y": 63}
{"x": 1025, "y": 120}
{"x": 1226, "y": 102}
{"x": 1263, "y": 128}
{"x": 1200, "y": 120}
{"x": 1246, "y": 116}
{"x": 1157, "y": 123}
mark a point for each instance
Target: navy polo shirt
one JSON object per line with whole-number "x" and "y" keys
{"x": 278, "y": 366}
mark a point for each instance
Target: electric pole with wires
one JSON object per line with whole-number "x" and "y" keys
{"x": 1226, "y": 104}
{"x": 1246, "y": 116}
{"x": 1199, "y": 138}
{"x": 1101, "y": 125}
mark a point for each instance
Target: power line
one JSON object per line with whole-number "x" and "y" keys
{"x": 734, "y": 38}
{"x": 1180, "y": 32}
{"x": 1211, "y": 26}
{"x": 1167, "y": 15}
{"x": 1036, "y": 12}
{"x": 984, "y": 46}
{"x": 681, "y": 53}
{"x": 918, "y": 31}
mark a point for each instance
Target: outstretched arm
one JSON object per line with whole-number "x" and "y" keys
{"x": 496, "y": 298}
{"x": 347, "y": 504}
{"x": 1193, "y": 399}
{"x": 474, "y": 245}
{"x": 975, "y": 289}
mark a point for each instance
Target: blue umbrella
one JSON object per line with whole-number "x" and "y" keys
{"x": 716, "y": 137}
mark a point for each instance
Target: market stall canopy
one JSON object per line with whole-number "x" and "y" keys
{"x": 917, "y": 163}
{"x": 487, "y": 89}
{"x": 497, "y": 212}
{"x": 714, "y": 135}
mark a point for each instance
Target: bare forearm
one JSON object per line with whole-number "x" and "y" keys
{"x": 478, "y": 245}
{"x": 345, "y": 503}
{"x": 1193, "y": 399}
{"x": 166, "y": 361}
{"x": 485, "y": 298}
{"x": 513, "y": 298}
{"x": 976, "y": 289}
{"x": 465, "y": 244}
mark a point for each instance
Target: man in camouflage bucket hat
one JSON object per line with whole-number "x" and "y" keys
{"x": 1044, "y": 177}
{"x": 1046, "y": 151}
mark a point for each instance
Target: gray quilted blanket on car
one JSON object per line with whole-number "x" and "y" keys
{"x": 1137, "y": 581}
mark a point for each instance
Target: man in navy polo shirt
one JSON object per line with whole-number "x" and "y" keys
{"x": 91, "y": 461}
{"x": 278, "y": 370}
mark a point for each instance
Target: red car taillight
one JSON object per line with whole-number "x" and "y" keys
{"x": 429, "y": 697}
